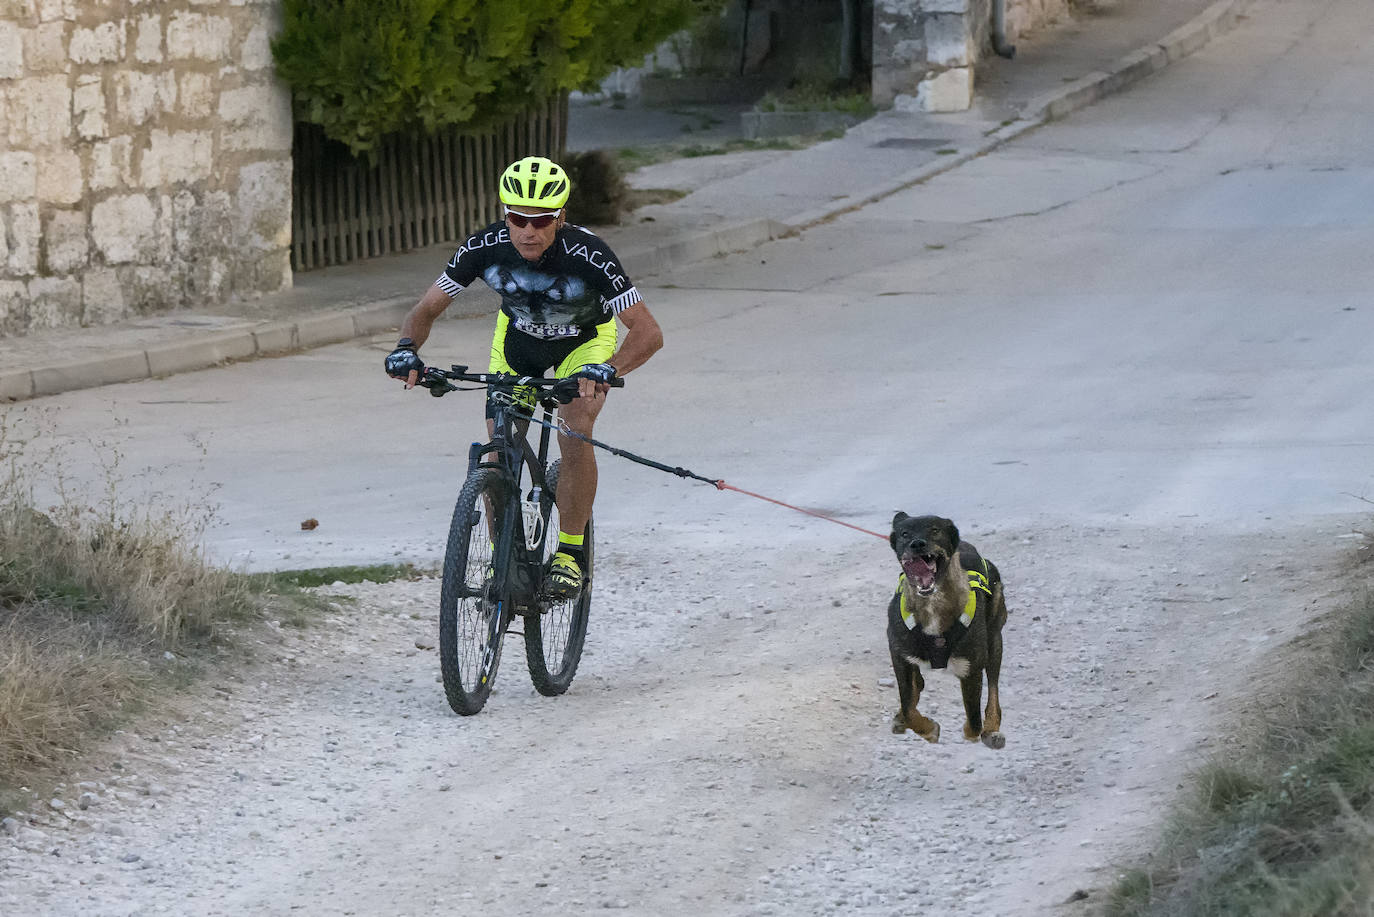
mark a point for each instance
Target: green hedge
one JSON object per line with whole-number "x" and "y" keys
{"x": 363, "y": 69}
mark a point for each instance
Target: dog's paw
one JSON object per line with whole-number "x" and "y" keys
{"x": 898, "y": 723}
{"x": 994, "y": 740}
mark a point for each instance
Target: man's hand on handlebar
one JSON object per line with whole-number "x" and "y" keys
{"x": 594, "y": 379}
{"x": 404, "y": 362}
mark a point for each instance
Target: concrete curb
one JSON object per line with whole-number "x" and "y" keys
{"x": 277, "y": 338}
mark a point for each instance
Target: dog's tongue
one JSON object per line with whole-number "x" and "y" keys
{"x": 918, "y": 571}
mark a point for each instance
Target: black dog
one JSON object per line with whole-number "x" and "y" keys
{"x": 948, "y": 613}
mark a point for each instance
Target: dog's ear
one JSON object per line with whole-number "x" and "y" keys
{"x": 953, "y": 531}
{"x": 896, "y": 521}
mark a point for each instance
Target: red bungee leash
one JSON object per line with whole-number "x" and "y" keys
{"x": 719, "y": 484}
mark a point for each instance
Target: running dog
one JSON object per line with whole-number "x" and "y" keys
{"x": 947, "y": 614}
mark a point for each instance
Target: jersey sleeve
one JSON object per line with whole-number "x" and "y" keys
{"x": 469, "y": 260}
{"x": 618, "y": 292}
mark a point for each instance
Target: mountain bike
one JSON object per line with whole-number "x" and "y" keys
{"x": 503, "y": 534}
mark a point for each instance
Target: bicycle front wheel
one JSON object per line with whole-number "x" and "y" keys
{"x": 470, "y": 614}
{"x": 554, "y": 638}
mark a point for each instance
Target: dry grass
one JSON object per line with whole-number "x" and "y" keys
{"x": 59, "y": 682}
{"x": 92, "y": 592}
{"x": 1287, "y": 829}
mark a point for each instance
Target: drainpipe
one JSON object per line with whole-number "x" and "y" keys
{"x": 999, "y": 30}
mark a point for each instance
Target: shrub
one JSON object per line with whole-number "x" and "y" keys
{"x": 599, "y": 192}
{"x": 363, "y": 70}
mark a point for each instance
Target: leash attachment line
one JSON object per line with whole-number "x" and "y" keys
{"x": 562, "y": 427}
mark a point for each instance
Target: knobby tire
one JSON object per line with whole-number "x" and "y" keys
{"x": 466, "y": 631}
{"x": 554, "y": 639}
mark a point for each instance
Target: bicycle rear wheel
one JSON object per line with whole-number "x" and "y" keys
{"x": 554, "y": 638}
{"x": 470, "y": 625}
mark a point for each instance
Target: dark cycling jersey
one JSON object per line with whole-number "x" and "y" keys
{"x": 575, "y": 285}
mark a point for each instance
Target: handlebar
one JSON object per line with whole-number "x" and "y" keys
{"x": 440, "y": 382}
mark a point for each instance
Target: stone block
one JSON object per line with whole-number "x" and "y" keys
{"x": 202, "y": 222}
{"x": 261, "y": 272}
{"x": 148, "y": 40}
{"x": 66, "y": 248}
{"x": 102, "y": 297}
{"x": 112, "y": 164}
{"x": 256, "y": 117}
{"x": 23, "y": 234}
{"x": 11, "y": 51}
{"x": 53, "y": 10}
{"x": 25, "y": 11}
{"x": 897, "y": 11}
{"x": 18, "y": 176}
{"x": 169, "y": 158}
{"x": 198, "y": 36}
{"x": 947, "y": 39}
{"x": 948, "y": 90}
{"x": 164, "y": 229}
{"x": 54, "y": 302}
{"x": 4, "y": 239}
{"x": 40, "y": 111}
{"x": 14, "y": 306}
{"x": 141, "y": 97}
{"x": 60, "y": 179}
{"x": 207, "y": 277}
{"x": 45, "y": 49}
{"x": 102, "y": 44}
{"x": 124, "y": 229}
{"x": 256, "y": 51}
{"x": 196, "y": 95}
{"x": 88, "y": 106}
{"x": 263, "y": 206}
{"x": 909, "y": 51}
{"x": 152, "y": 288}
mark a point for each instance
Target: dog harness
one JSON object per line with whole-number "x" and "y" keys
{"x": 936, "y": 649}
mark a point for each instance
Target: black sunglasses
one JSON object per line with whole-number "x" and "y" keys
{"x": 537, "y": 220}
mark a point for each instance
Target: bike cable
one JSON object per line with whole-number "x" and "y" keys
{"x": 562, "y": 427}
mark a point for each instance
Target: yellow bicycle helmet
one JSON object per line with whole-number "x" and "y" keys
{"x": 534, "y": 182}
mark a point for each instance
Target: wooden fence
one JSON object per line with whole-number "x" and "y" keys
{"x": 422, "y": 190}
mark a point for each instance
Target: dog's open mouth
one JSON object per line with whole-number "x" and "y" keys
{"x": 920, "y": 571}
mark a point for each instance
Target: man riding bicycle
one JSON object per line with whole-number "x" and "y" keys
{"x": 562, "y": 289}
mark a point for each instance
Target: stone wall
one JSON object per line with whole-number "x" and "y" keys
{"x": 145, "y": 158}
{"x": 925, "y": 52}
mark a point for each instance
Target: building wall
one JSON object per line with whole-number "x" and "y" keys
{"x": 925, "y": 52}
{"x": 145, "y": 158}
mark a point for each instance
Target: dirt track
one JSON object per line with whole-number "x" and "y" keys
{"x": 724, "y": 749}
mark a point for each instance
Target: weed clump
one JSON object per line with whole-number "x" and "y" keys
{"x": 1288, "y": 831}
{"x": 93, "y": 593}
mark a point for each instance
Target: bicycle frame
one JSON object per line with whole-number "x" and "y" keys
{"x": 514, "y": 567}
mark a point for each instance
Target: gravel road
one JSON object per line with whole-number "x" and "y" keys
{"x": 724, "y": 749}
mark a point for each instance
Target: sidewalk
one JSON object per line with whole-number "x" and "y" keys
{"x": 737, "y": 201}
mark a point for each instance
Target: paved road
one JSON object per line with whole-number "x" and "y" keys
{"x": 1128, "y": 354}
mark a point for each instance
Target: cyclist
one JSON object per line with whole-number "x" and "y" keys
{"x": 562, "y": 289}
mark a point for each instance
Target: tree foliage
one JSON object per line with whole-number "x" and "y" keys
{"x": 363, "y": 69}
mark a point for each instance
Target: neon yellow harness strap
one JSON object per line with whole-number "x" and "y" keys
{"x": 976, "y": 582}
